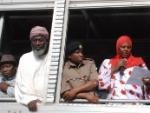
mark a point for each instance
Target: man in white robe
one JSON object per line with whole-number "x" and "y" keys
{"x": 31, "y": 79}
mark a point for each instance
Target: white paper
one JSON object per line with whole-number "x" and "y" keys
{"x": 137, "y": 74}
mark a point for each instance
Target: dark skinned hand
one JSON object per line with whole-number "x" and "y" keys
{"x": 146, "y": 82}
{"x": 32, "y": 105}
{"x": 4, "y": 86}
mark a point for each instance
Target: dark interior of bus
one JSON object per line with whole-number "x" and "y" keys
{"x": 98, "y": 30}
{"x": 17, "y": 26}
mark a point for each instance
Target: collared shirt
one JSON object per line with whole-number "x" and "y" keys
{"x": 74, "y": 76}
{"x": 10, "y": 90}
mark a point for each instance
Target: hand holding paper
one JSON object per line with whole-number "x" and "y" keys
{"x": 146, "y": 81}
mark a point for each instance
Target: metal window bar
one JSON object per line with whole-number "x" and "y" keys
{"x": 62, "y": 50}
{"x": 7, "y": 100}
{"x": 107, "y": 101}
{"x": 55, "y": 48}
{"x": 1, "y": 28}
{"x": 101, "y": 101}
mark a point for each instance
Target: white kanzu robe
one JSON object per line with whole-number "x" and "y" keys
{"x": 31, "y": 79}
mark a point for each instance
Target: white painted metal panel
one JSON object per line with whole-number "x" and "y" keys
{"x": 54, "y": 68}
{"x": 75, "y": 108}
{"x": 53, "y": 72}
{"x": 52, "y": 81}
{"x": 24, "y": 1}
{"x": 49, "y": 4}
{"x": 54, "y": 48}
{"x": 107, "y": 3}
{"x": 56, "y": 58}
{"x": 11, "y": 5}
{"x": 21, "y": 1}
{"x": 53, "y": 77}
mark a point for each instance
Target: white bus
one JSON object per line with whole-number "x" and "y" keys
{"x": 96, "y": 23}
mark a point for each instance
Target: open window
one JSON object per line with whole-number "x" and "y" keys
{"x": 16, "y": 26}
{"x": 99, "y": 28}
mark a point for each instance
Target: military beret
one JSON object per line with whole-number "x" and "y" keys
{"x": 72, "y": 47}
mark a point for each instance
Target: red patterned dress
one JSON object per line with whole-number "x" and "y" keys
{"x": 116, "y": 83}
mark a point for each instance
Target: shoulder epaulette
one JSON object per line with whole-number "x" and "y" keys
{"x": 89, "y": 59}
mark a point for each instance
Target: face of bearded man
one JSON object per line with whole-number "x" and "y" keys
{"x": 39, "y": 45}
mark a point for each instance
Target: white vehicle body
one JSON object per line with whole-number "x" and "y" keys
{"x": 58, "y": 36}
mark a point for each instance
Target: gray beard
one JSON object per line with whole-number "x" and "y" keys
{"x": 40, "y": 52}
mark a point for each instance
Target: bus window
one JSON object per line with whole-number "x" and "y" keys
{"x": 15, "y": 38}
{"x": 16, "y": 27}
{"x": 99, "y": 28}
